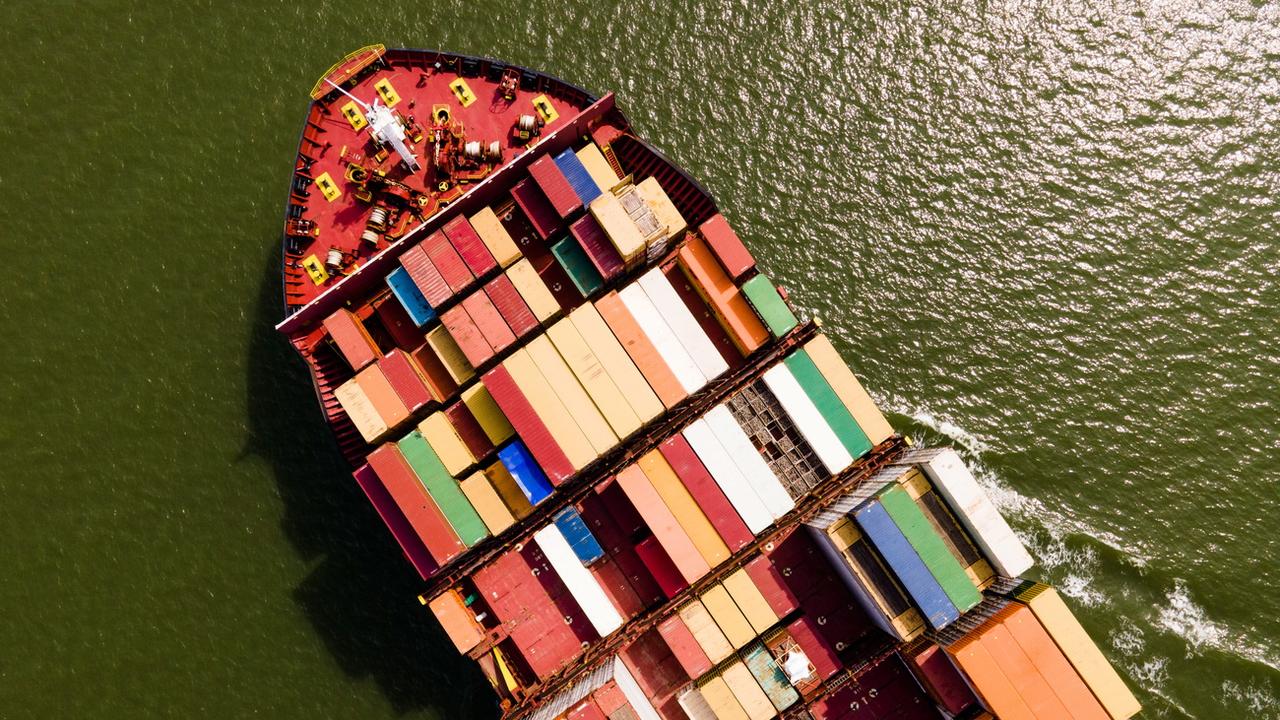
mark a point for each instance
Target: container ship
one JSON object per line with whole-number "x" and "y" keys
{"x": 634, "y": 482}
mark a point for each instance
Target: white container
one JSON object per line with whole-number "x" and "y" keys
{"x": 361, "y": 411}
{"x": 725, "y": 472}
{"x": 683, "y": 324}
{"x": 807, "y": 419}
{"x": 750, "y": 462}
{"x": 952, "y": 479}
{"x": 632, "y": 692}
{"x": 664, "y": 340}
{"x": 581, "y": 583}
{"x": 695, "y": 706}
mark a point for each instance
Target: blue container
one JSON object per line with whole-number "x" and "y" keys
{"x": 584, "y": 544}
{"x": 770, "y": 677}
{"x": 576, "y": 173}
{"x": 532, "y": 481}
{"x": 903, "y": 561}
{"x": 410, "y": 297}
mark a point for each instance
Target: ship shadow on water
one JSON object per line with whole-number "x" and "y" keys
{"x": 361, "y": 594}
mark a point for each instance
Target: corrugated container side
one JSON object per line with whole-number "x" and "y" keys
{"x": 937, "y": 609}
{"x": 593, "y": 377}
{"x": 660, "y": 378}
{"x": 807, "y": 419}
{"x": 941, "y": 679}
{"x": 577, "y": 266}
{"x": 828, "y": 403}
{"x": 748, "y": 692}
{"x": 487, "y": 414}
{"x": 439, "y": 377}
{"x": 620, "y": 228}
{"x": 582, "y": 586}
{"x": 716, "y": 288}
{"x": 616, "y": 363}
{"x": 705, "y": 492}
{"x": 468, "y": 430}
{"x": 750, "y": 601}
{"x": 769, "y": 305}
{"x": 536, "y": 207}
{"x": 704, "y": 629}
{"x": 655, "y": 669}
{"x": 683, "y": 508}
{"x": 821, "y": 654}
{"x": 991, "y": 684}
{"x": 660, "y": 566}
{"x": 508, "y": 489}
{"x": 586, "y": 710}
{"x": 597, "y": 167}
{"x": 515, "y": 406}
{"x": 596, "y": 246}
{"x": 695, "y": 706}
{"x": 677, "y": 544}
{"x": 609, "y": 697}
{"x": 519, "y": 464}
{"x": 446, "y": 444}
{"x": 533, "y": 290}
{"x": 750, "y": 463}
{"x": 450, "y": 356}
{"x": 458, "y": 622}
{"x": 383, "y": 397}
{"x": 684, "y": 646}
{"x": 488, "y": 321}
{"x": 470, "y": 247}
{"x": 444, "y": 491}
{"x": 351, "y": 339}
{"x": 1040, "y": 649}
{"x": 768, "y": 580}
{"x": 575, "y": 531}
{"x": 356, "y": 404}
{"x": 727, "y": 246}
{"x": 425, "y": 275}
{"x": 410, "y": 297}
{"x": 718, "y": 695}
{"x": 671, "y": 351}
{"x": 462, "y": 328}
{"x": 419, "y": 509}
{"x": 546, "y": 402}
{"x": 395, "y": 520}
{"x": 557, "y": 281}
{"x": 727, "y": 616}
{"x": 547, "y": 174}
{"x": 495, "y": 237}
{"x": 665, "y": 210}
{"x": 681, "y": 321}
{"x": 513, "y": 309}
{"x": 931, "y": 549}
{"x": 848, "y": 389}
{"x": 770, "y": 677}
{"x": 488, "y": 504}
{"x": 1025, "y": 676}
{"x": 584, "y": 186}
{"x": 448, "y": 262}
{"x": 727, "y": 476}
{"x": 571, "y": 393}
{"x": 406, "y": 379}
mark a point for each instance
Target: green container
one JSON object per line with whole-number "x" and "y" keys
{"x": 442, "y": 488}
{"x": 828, "y": 403}
{"x": 931, "y": 549}
{"x": 769, "y": 305}
{"x": 575, "y": 262}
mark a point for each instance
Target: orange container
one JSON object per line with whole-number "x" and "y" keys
{"x": 684, "y": 508}
{"x": 1023, "y": 673}
{"x": 642, "y": 352}
{"x": 988, "y": 680}
{"x": 732, "y": 311}
{"x": 458, "y": 622}
{"x": 1033, "y": 640}
{"x": 384, "y": 398}
{"x": 655, "y": 513}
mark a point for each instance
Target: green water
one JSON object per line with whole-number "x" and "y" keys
{"x": 1046, "y": 232}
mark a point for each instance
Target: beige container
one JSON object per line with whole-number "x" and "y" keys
{"x": 732, "y": 622}
{"x": 450, "y": 355}
{"x": 755, "y": 608}
{"x": 444, "y": 439}
{"x": 748, "y": 692}
{"x": 620, "y": 228}
{"x": 705, "y": 631}
{"x": 848, "y": 389}
{"x": 489, "y": 506}
{"x": 550, "y": 410}
{"x": 361, "y": 411}
{"x": 575, "y": 398}
{"x": 594, "y": 379}
{"x": 532, "y": 290}
{"x": 665, "y": 210}
{"x": 685, "y": 509}
{"x": 722, "y": 701}
{"x": 598, "y": 167}
{"x": 615, "y": 361}
{"x": 488, "y": 415}
{"x": 495, "y": 237}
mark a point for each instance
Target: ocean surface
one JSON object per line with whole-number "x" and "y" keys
{"x": 1045, "y": 232}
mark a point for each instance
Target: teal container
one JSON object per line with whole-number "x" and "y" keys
{"x": 828, "y": 403}
{"x": 577, "y": 266}
{"x": 443, "y": 489}
{"x": 769, "y": 305}
{"x": 765, "y": 670}
{"x": 930, "y": 547}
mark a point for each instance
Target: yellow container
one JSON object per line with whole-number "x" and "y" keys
{"x": 361, "y": 411}
{"x": 620, "y": 228}
{"x": 597, "y": 167}
{"x": 685, "y": 509}
{"x": 507, "y": 488}
{"x": 450, "y": 355}
{"x": 534, "y": 292}
{"x": 495, "y": 237}
{"x": 848, "y": 389}
{"x": 488, "y": 415}
{"x": 663, "y": 209}
{"x": 488, "y": 504}
{"x": 575, "y": 398}
{"x": 444, "y": 440}
{"x": 748, "y": 692}
{"x": 591, "y": 374}
{"x": 750, "y": 601}
{"x": 722, "y": 701}
{"x": 546, "y": 403}
{"x": 705, "y": 631}
{"x": 728, "y": 617}
{"x": 616, "y": 362}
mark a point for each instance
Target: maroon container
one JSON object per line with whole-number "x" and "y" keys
{"x": 448, "y": 262}
{"x": 586, "y": 710}
{"x": 602, "y": 519}
{"x": 840, "y": 620}
{"x": 660, "y": 566}
{"x": 705, "y": 316}
{"x": 425, "y": 275}
{"x": 684, "y": 646}
{"x": 804, "y": 630}
{"x": 511, "y": 306}
{"x": 728, "y": 248}
{"x": 488, "y": 321}
{"x": 564, "y": 605}
{"x": 532, "y": 431}
{"x": 706, "y": 492}
{"x": 349, "y": 336}
{"x": 940, "y": 678}
{"x": 465, "y": 424}
{"x": 603, "y": 255}
{"x": 555, "y": 186}
{"x": 401, "y": 530}
{"x": 617, "y": 587}
{"x": 655, "y": 669}
{"x": 885, "y": 690}
{"x": 557, "y": 281}
{"x": 542, "y": 216}
{"x": 470, "y": 247}
{"x": 406, "y": 379}
{"x": 404, "y": 333}
{"x": 469, "y": 338}
{"x": 429, "y": 524}
{"x": 768, "y": 580}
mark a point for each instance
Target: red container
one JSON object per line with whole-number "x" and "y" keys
{"x": 941, "y": 679}
{"x": 768, "y": 580}
{"x": 448, "y": 262}
{"x": 660, "y": 566}
{"x": 404, "y": 333}
{"x": 655, "y": 669}
{"x": 406, "y": 379}
{"x": 555, "y": 186}
{"x": 511, "y": 306}
{"x": 542, "y": 216}
{"x": 470, "y": 247}
{"x": 705, "y": 316}
{"x": 586, "y": 710}
{"x": 397, "y": 523}
{"x": 610, "y": 698}
{"x": 469, "y": 338}
{"x": 728, "y": 248}
{"x": 804, "y": 630}
{"x": 488, "y": 321}
{"x": 425, "y": 275}
{"x": 706, "y": 492}
{"x": 465, "y": 424}
{"x": 532, "y": 431}
{"x": 596, "y": 245}
{"x": 617, "y": 587}
{"x": 684, "y": 646}
{"x": 531, "y": 617}
{"x": 428, "y": 522}
{"x": 564, "y": 605}
{"x": 349, "y": 336}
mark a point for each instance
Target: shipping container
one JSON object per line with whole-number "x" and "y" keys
{"x": 539, "y": 211}
{"x": 695, "y": 706}
{"x": 663, "y": 209}
{"x": 351, "y": 339}
{"x": 533, "y": 290}
{"x": 470, "y": 247}
{"x": 631, "y": 689}
{"x": 867, "y": 576}
{"x": 941, "y": 679}
{"x": 824, "y": 398}
{"x": 808, "y": 421}
{"x": 848, "y": 389}
{"x": 495, "y": 237}
{"x": 750, "y": 601}
{"x": 660, "y": 566}
{"x": 488, "y": 416}
{"x": 547, "y": 403}
{"x": 728, "y": 617}
{"x": 728, "y": 248}
{"x": 597, "y": 167}
{"x": 1021, "y": 672}
{"x": 616, "y": 362}
{"x": 445, "y": 259}
{"x": 571, "y": 393}
{"x": 439, "y": 377}
{"x": 677, "y": 544}
{"x": 982, "y": 671}
{"x": 395, "y": 520}
{"x": 488, "y": 504}
{"x": 618, "y": 585}
{"x": 392, "y": 316}
{"x": 820, "y": 653}
{"x": 586, "y": 710}
{"x": 382, "y": 396}
{"x": 671, "y": 351}
{"x": 356, "y": 404}
{"x": 721, "y": 700}
{"x": 643, "y": 353}
{"x": 446, "y": 444}
{"x": 704, "y": 629}
{"x": 883, "y": 690}
{"x": 620, "y": 228}
{"x": 769, "y": 305}
{"x": 593, "y": 377}
{"x": 581, "y": 584}
{"x": 716, "y": 289}
{"x": 684, "y": 646}
{"x": 584, "y": 544}
{"x": 551, "y": 180}
{"x": 750, "y": 508}
{"x": 930, "y": 547}
{"x": 462, "y": 328}
{"x": 419, "y": 509}
{"x": 519, "y": 464}
{"x": 542, "y": 634}
{"x": 684, "y": 508}
{"x": 533, "y": 432}
{"x": 457, "y": 620}
{"x": 488, "y": 321}
{"x": 582, "y": 273}
{"x": 584, "y": 186}
{"x": 751, "y": 464}
{"x": 654, "y": 667}
{"x": 906, "y": 565}
{"x": 410, "y": 297}
{"x": 595, "y": 245}
{"x": 769, "y": 676}
{"x": 945, "y": 524}
{"x": 705, "y": 492}
{"x": 468, "y": 430}
{"x": 513, "y": 309}
{"x": 425, "y": 275}
{"x": 442, "y": 488}
{"x": 450, "y": 356}
{"x": 504, "y": 483}
{"x": 1034, "y": 641}
{"x": 407, "y": 379}
{"x": 769, "y": 581}
{"x": 557, "y": 281}
{"x": 682, "y": 323}
{"x": 748, "y": 692}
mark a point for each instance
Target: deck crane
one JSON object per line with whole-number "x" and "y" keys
{"x": 385, "y": 127}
